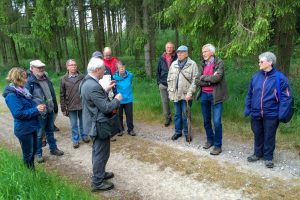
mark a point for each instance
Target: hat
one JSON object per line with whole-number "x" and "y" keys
{"x": 97, "y": 54}
{"x": 182, "y": 48}
{"x": 37, "y": 63}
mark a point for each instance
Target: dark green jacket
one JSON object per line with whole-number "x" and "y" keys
{"x": 217, "y": 81}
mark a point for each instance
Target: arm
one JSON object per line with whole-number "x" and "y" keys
{"x": 198, "y": 81}
{"x": 158, "y": 71}
{"x": 247, "y": 109}
{"x": 15, "y": 105}
{"x": 218, "y": 75}
{"x": 286, "y": 97}
{"x": 193, "y": 86}
{"x": 62, "y": 93}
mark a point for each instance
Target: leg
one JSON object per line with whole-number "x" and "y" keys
{"x": 27, "y": 142}
{"x": 165, "y": 103}
{"x": 39, "y": 150}
{"x": 206, "y": 113}
{"x": 121, "y": 115}
{"x": 178, "y": 118}
{"x": 100, "y": 155}
{"x": 217, "y": 113}
{"x": 185, "y": 126}
{"x": 49, "y": 127}
{"x": 82, "y": 133}
{"x": 257, "y": 127}
{"x": 270, "y": 128}
{"x": 74, "y": 127}
{"x": 129, "y": 116}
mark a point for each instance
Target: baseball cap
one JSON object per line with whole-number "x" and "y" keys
{"x": 182, "y": 48}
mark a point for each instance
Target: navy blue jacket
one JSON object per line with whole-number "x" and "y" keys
{"x": 23, "y": 110}
{"x": 163, "y": 70}
{"x": 262, "y": 96}
{"x": 38, "y": 94}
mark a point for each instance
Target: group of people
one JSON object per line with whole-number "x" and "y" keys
{"x": 91, "y": 101}
{"x": 268, "y": 97}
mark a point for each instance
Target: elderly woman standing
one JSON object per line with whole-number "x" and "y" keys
{"x": 25, "y": 113}
{"x": 263, "y": 106}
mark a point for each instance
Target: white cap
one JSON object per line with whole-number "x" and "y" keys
{"x": 37, "y": 63}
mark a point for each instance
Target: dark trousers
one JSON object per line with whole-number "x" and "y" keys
{"x": 100, "y": 155}
{"x": 129, "y": 115}
{"x": 264, "y": 130}
{"x": 29, "y": 146}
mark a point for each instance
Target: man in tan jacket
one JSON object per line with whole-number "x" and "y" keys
{"x": 181, "y": 86}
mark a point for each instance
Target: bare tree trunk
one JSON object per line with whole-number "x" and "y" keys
{"x": 108, "y": 22}
{"x": 101, "y": 27}
{"x": 14, "y": 56}
{"x": 176, "y": 38}
{"x": 120, "y": 29}
{"x": 3, "y": 51}
{"x": 148, "y": 67}
{"x": 75, "y": 34}
{"x": 82, "y": 32}
{"x": 64, "y": 41}
{"x": 96, "y": 30}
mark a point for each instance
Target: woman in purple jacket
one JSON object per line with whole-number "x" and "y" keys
{"x": 25, "y": 113}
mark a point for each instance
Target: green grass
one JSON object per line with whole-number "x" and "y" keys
{"x": 18, "y": 182}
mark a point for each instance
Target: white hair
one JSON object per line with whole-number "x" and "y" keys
{"x": 70, "y": 60}
{"x": 107, "y": 49}
{"x": 94, "y": 64}
{"x": 269, "y": 56}
{"x": 211, "y": 48}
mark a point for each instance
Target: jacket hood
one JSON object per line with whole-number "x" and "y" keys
{"x": 8, "y": 90}
{"x": 118, "y": 77}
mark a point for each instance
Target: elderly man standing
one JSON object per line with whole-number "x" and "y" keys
{"x": 109, "y": 60}
{"x": 163, "y": 66}
{"x": 211, "y": 79}
{"x": 97, "y": 107}
{"x": 42, "y": 92}
{"x": 181, "y": 86}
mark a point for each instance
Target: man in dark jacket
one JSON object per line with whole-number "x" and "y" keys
{"x": 163, "y": 66}
{"x": 265, "y": 108}
{"x": 211, "y": 79}
{"x": 70, "y": 101}
{"x": 42, "y": 92}
{"x": 96, "y": 108}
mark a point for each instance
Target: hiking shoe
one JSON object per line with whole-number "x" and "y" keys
{"x": 104, "y": 186}
{"x": 56, "y": 129}
{"x": 168, "y": 122}
{"x": 269, "y": 163}
{"x": 108, "y": 175}
{"x": 120, "y": 133}
{"x": 207, "y": 145}
{"x": 113, "y": 139}
{"x": 57, "y": 152}
{"x": 253, "y": 158}
{"x": 132, "y": 133}
{"x": 176, "y": 136}
{"x": 75, "y": 145}
{"x": 40, "y": 159}
{"x": 86, "y": 140}
{"x": 216, "y": 151}
{"x": 188, "y": 138}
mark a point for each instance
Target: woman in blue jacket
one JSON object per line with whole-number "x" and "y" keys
{"x": 123, "y": 80}
{"x": 262, "y": 103}
{"x": 25, "y": 113}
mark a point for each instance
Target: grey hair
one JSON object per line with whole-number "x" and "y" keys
{"x": 70, "y": 60}
{"x": 120, "y": 63}
{"x": 94, "y": 64}
{"x": 211, "y": 48}
{"x": 269, "y": 56}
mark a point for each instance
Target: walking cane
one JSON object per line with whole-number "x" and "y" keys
{"x": 188, "y": 118}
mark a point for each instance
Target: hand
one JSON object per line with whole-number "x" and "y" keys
{"x": 119, "y": 97}
{"x": 64, "y": 113}
{"x": 41, "y": 107}
{"x": 111, "y": 85}
{"x": 188, "y": 98}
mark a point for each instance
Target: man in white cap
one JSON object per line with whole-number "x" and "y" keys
{"x": 181, "y": 87}
{"x": 42, "y": 91}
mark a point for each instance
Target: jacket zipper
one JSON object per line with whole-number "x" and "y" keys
{"x": 262, "y": 96}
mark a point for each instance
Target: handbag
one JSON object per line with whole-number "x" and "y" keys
{"x": 109, "y": 128}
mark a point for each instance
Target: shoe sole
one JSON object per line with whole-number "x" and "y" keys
{"x": 106, "y": 189}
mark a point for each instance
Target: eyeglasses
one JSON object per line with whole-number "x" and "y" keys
{"x": 261, "y": 61}
{"x": 72, "y": 65}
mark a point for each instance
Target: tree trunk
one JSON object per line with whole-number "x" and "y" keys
{"x": 95, "y": 25}
{"x": 75, "y": 34}
{"x": 101, "y": 27}
{"x": 14, "y": 56}
{"x": 176, "y": 38}
{"x": 3, "y": 51}
{"x": 108, "y": 22}
{"x": 148, "y": 68}
{"x": 64, "y": 41}
{"x": 82, "y": 32}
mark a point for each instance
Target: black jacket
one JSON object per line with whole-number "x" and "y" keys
{"x": 162, "y": 69}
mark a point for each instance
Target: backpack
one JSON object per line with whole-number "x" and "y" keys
{"x": 287, "y": 108}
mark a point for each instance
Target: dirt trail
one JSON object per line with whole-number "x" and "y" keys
{"x": 151, "y": 166}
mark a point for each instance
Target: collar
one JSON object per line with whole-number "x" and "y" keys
{"x": 206, "y": 62}
{"x": 94, "y": 77}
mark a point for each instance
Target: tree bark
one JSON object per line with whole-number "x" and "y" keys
{"x": 108, "y": 22}
{"x": 148, "y": 67}
{"x": 96, "y": 30}
{"x": 14, "y": 56}
{"x": 82, "y": 32}
{"x": 101, "y": 27}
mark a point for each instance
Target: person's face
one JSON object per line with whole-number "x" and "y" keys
{"x": 72, "y": 67}
{"x": 100, "y": 72}
{"x": 207, "y": 54}
{"x": 264, "y": 64}
{"x": 23, "y": 80}
{"x": 169, "y": 48}
{"x": 107, "y": 54}
{"x": 121, "y": 69}
{"x": 37, "y": 70}
{"x": 182, "y": 55}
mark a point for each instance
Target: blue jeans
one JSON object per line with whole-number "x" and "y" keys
{"x": 264, "y": 130}
{"x": 207, "y": 103}
{"x": 74, "y": 117}
{"x": 47, "y": 126}
{"x": 180, "y": 117}
{"x": 28, "y": 145}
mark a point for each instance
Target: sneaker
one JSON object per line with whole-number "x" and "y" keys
{"x": 108, "y": 175}
{"x": 176, "y": 136}
{"x": 207, "y": 145}
{"x": 40, "y": 159}
{"x": 75, "y": 145}
{"x": 56, "y": 129}
{"x": 188, "y": 138}
{"x": 120, "y": 133}
{"x": 216, "y": 151}
{"x": 57, "y": 152}
{"x": 253, "y": 158}
{"x": 168, "y": 122}
{"x": 269, "y": 163}
{"x": 104, "y": 186}
{"x": 132, "y": 133}
{"x": 86, "y": 140}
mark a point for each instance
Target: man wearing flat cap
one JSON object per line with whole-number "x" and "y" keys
{"x": 181, "y": 87}
{"x": 42, "y": 92}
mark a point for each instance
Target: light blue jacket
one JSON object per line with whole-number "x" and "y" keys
{"x": 124, "y": 86}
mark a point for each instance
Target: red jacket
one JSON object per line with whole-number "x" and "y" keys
{"x": 112, "y": 64}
